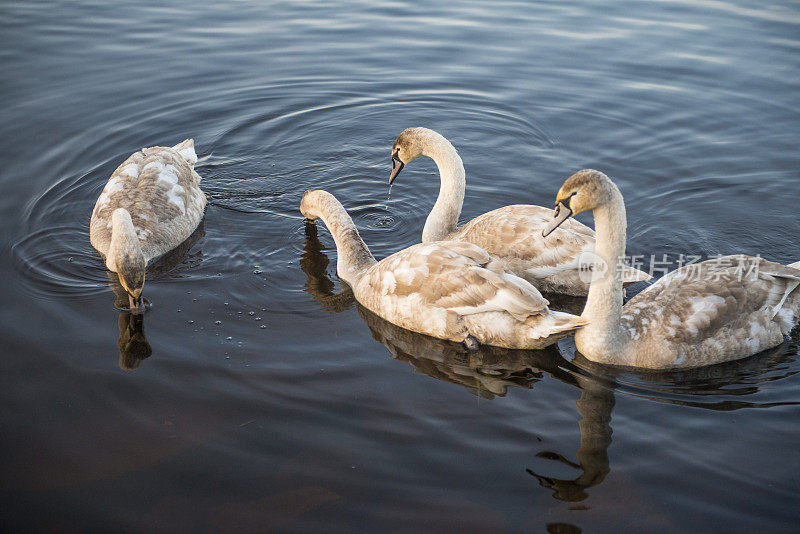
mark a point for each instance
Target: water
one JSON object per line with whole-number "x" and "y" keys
{"x": 255, "y": 394}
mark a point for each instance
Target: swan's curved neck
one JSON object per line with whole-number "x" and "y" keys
{"x": 352, "y": 254}
{"x": 443, "y": 218}
{"x": 603, "y": 339}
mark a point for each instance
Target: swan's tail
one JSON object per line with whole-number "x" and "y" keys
{"x": 795, "y": 265}
{"x": 631, "y": 275}
{"x": 186, "y": 149}
{"x": 563, "y": 322}
{"x": 549, "y": 328}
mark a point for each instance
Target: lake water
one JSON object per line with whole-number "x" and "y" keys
{"x": 255, "y": 395}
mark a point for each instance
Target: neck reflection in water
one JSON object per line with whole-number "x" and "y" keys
{"x": 319, "y": 285}
{"x": 132, "y": 343}
{"x": 489, "y": 371}
{"x": 708, "y": 387}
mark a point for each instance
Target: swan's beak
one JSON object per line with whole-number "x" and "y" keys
{"x": 397, "y": 166}
{"x": 561, "y": 214}
{"x": 136, "y": 304}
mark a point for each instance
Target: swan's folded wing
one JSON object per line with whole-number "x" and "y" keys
{"x": 456, "y": 277}
{"x": 695, "y": 301}
{"x": 160, "y": 190}
{"x": 516, "y": 232}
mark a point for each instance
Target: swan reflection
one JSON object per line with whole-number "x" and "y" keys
{"x": 132, "y": 343}
{"x": 489, "y": 371}
{"x": 704, "y": 387}
{"x": 319, "y": 285}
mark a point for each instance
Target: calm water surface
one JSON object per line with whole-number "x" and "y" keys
{"x": 255, "y": 395}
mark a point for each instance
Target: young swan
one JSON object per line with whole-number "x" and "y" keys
{"x": 151, "y": 204}
{"x": 705, "y": 313}
{"x": 448, "y": 290}
{"x": 561, "y": 264}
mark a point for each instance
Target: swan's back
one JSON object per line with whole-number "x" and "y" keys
{"x": 452, "y": 290}
{"x": 559, "y": 263}
{"x": 160, "y": 189}
{"x": 714, "y": 311}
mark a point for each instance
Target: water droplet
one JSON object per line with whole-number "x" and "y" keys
{"x": 257, "y": 271}
{"x": 217, "y": 322}
{"x": 229, "y": 338}
{"x": 258, "y": 318}
{"x": 263, "y": 326}
{"x": 191, "y": 322}
{"x": 70, "y": 259}
{"x": 226, "y": 304}
{"x": 251, "y": 313}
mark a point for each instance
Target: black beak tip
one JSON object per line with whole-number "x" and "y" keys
{"x": 561, "y": 214}
{"x": 397, "y": 166}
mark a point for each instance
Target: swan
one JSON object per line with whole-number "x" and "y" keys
{"x": 700, "y": 314}
{"x": 449, "y": 290}
{"x": 511, "y": 234}
{"x": 150, "y": 205}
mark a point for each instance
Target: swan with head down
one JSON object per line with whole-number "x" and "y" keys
{"x": 450, "y": 290}
{"x": 150, "y": 205}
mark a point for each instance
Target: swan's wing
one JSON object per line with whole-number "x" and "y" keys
{"x": 454, "y": 276}
{"x": 161, "y": 191}
{"x": 515, "y": 233}
{"x": 739, "y": 293}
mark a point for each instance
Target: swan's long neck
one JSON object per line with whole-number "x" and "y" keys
{"x": 443, "y": 218}
{"x": 124, "y": 251}
{"x": 602, "y": 339}
{"x": 352, "y": 255}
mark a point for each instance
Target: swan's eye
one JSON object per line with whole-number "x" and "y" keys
{"x": 565, "y": 201}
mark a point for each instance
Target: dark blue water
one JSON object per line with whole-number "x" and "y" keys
{"x": 256, "y": 395}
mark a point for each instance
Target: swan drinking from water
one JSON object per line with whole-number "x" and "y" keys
{"x": 450, "y": 290}
{"x": 150, "y": 205}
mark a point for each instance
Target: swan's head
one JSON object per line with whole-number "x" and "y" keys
{"x": 408, "y": 146}
{"x": 131, "y": 277}
{"x": 583, "y": 191}
{"x": 314, "y": 203}
{"x": 125, "y": 257}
